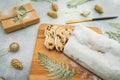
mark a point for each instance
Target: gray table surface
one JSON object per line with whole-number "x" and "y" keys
{"x": 27, "y": 37}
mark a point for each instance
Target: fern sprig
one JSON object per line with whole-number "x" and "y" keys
{"x": 57, "y": 70}
{"x": 44, "y": 0}
{"x": 116, "y": 25}
{"x": 114, "y": 35}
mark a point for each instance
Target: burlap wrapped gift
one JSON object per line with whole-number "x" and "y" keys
{"x": 18, "y": 17}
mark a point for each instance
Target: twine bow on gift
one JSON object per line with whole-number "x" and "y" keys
{"x": 17, "y": 13}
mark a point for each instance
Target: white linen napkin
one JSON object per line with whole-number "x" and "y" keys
{"x": 95, "y": 52}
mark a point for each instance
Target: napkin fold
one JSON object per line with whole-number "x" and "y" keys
{"x": 95, "y": 52}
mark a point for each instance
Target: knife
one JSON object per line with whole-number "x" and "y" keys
{"x": 91, "y": 19}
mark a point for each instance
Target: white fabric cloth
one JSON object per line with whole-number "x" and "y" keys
{"x": 95, "y": 52}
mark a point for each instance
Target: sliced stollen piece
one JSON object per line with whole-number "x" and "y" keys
{"x": 58, "y": 44}
{"x": 96, "y": 52}
{"x": 49, "y": 43}
{"x": 50, "y": 29}
{"x": 62, "y": 35}
{"x": 49, "y": 36}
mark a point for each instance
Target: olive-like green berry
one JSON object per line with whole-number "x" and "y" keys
{"x": 14, "y": 47}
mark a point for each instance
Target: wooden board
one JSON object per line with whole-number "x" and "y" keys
{"x": 38, "y": 72}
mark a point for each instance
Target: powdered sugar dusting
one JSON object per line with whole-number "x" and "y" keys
{"x": 95, "y": 52}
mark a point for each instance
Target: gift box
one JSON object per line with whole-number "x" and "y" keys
{"x": 18, "y": 17}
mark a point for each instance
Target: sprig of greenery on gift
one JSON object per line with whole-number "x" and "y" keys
{"x": 115, "y": 35}
{"x": 75, "y": 3}
{"x": 21, "y": 10}
{"x": 57, "y": 71}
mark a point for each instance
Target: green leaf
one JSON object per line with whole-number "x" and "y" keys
{"x": 116, "y": 25}
{"x": 114, "y": 35}
{"x": 75, "y": 3}
{"x": 21, "y": 10}
{"x": 57, "y": 71}
{"x": 44, "y": 0}
{"x": 15, "y": 19}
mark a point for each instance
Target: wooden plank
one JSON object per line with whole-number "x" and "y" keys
{"x": 38, "y": 72}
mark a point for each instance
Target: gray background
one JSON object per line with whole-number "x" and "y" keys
{"x": 27, "y": 37}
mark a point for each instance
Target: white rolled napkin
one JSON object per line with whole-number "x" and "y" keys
{"x": 96, "y": 52}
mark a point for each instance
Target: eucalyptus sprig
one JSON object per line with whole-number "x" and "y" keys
{"x": 75, "y": 3}
{"x": 57, "y": 71}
